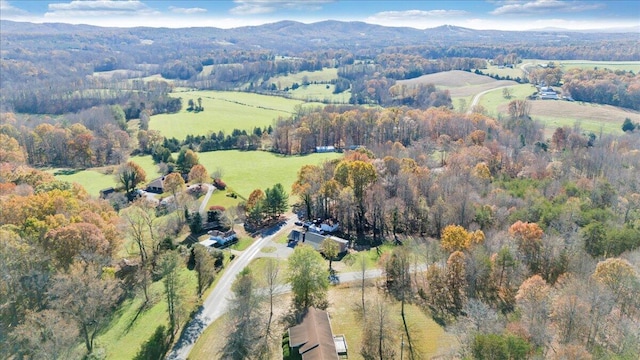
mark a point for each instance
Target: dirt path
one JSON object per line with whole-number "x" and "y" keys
{"x": 476, "y": 98}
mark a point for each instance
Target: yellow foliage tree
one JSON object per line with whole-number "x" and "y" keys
{"x": 457, "y": 238}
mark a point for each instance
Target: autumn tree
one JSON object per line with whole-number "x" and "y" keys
{"x": 141, "y": 226}
{"x": 130, "y": 175}
{"x": 174, "y": 184}
{"x": 10, "y": 150}
{"x": 46, "y": 334}
{"x": 358, "y": 175}
{"x": 86, "y": 296}
{"x": 456, "y": 238}
{"x": 198, "y": 175}
{"x": 272, "y": 279}
{"x": 307, "y": 187}
{"x": 619, "y": 276}
{"x": 529, "y": 240}
{"x": 533, "y": 300}
{"x": 186, "y": 160}
{"x": 308, "y": 277}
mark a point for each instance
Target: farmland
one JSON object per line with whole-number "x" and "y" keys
{"x": 592, "y": 117}
{"x": 223, "y": 111}
{"x": 460, "y": 84}
{"x": 247, "y": 171}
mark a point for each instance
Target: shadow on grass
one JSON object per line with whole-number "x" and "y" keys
{"x": 67, "y": 171}
{"x": 141, "y": 309}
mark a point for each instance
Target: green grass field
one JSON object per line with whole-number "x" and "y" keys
{"x": 130, "y": 327}
{"x": 492, "y": 100}
{"x": 320, "y": 93}
{"x": 245, "y": 171}
{"x": 612, "y": 65}
{"x": 92, "y": 180}
{"x": 223, "y": 111}
{"x": 591, "y": 117}
{"x": 325, "y": 75}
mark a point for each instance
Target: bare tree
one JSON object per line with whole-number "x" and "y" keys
{"x": 86, "y": 297}
{"x": 379, "y": 339}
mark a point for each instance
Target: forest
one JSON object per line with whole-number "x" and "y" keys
{"x": 530, "y": 243}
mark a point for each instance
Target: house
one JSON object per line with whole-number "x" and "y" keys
{"x": 314, "y": 239}
{"x": 156, "y": 186}
{"x": 325, "y": 149}
{"x": 106, "y": 192}
{"x": 313, "y": 338}
{"x": 220, "y": 238}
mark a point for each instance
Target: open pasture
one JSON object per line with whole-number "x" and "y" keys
{"x": 611, "y": 65}
{"x": 320, "y": 93}
{"x": 591, "y": 117}
{"x": 459, "y": 83}
{"x": 245, "y": 171}
{"x": 223, "y": 111}
{"x": 324, "y": 75}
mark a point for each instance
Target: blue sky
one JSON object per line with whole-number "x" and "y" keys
{"x": 476, "y": 14}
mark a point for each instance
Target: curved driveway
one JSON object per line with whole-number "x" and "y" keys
{"x": 216, "y": 303}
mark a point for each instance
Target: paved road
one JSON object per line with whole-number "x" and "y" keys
{"x": 216, "y": 303}
{"x": 203, "y": 205}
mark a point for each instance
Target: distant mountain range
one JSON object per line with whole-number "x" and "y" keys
{"x": 291, "y": 35}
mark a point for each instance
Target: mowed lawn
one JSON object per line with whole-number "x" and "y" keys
{"x": 245, "y": 171}
{"x": 223, "y": 111}
{"x": 430, "y": 338}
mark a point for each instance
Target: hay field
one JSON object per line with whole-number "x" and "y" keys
{"x": 591, "y": 117}
{"x": 459, "y": 83}
{"x": 223, "y": 111}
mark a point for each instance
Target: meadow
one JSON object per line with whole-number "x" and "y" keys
{"x": 245, "y": 171}
{"x": 595, "y": 118}
{"x": 324, "y": 75}
{"x": 223, "y": 111}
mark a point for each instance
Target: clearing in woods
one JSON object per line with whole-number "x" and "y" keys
{"x": 223, "y": 111}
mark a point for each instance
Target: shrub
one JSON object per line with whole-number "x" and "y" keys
{"x": 218, "y": 183}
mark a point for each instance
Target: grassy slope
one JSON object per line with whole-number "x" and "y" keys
{"x": 247, "y": 171}
{"x": 592, "y": 117}
{"x": 126, "y": 333}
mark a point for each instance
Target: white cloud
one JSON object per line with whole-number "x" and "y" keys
{"x": 187, "y": 11}
{"x": 8, "y": 10}
{"x": 99, "y": 8}
{"x": 544, "y": 7}
{"x": 417, "y": 14}
{"x": 253, "y": 7}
